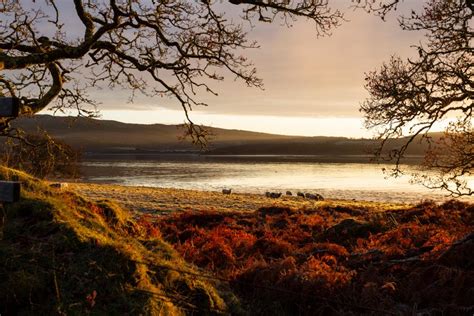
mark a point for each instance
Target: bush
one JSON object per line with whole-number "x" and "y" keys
{"x": 42, "y": 156}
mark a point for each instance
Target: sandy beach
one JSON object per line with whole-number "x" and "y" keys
{"x": 166, "y": 200}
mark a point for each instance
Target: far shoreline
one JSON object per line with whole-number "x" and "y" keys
{"x": 263, "y": 158}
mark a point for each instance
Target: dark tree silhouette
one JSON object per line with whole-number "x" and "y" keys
{"x": 408, "y": 97}
{"x": 42, "y": 156}
{"x": 157, "y": 48}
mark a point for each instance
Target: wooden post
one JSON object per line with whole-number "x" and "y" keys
{"x": 9, "y": 106}
{"x": 9, "y": 191}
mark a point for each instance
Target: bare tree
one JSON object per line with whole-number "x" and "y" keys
{"x": 410, "y": 97}
{"x": 158, "y": 48}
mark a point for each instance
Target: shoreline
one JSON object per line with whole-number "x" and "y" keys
{"x": 147, "y": 196}
{"x": 412, "y": 160}
{"x": 153, "y": 200}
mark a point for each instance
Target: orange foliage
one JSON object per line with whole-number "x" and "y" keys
{"x": 145, "y": 222}
{"x": 379, "y": 260}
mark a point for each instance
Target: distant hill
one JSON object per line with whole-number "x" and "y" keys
{"x": 105, "y": 136}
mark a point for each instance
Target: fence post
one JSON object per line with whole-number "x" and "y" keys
{"x": 9, "y": 106}
{"x": 9, "y": 190}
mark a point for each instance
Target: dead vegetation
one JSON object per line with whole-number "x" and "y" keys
{"x": 336, "y": 260}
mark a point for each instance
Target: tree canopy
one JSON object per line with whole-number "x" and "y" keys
{"x": 171, "y": 47}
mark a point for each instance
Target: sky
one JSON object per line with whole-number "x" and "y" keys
{"x": 312, "y": 86}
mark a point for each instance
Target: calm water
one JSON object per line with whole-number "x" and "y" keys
{"x": 341, "y": 180}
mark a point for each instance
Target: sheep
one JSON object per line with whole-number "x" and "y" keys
{"x": 226, "y": 191}
{"x": 273, "y": 195}
{"x": 317, "y": 197}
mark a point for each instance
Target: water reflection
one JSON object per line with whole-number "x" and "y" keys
{"x": 361, "y": 181}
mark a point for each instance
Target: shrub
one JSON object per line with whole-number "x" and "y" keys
{"x": 42, "y": 156}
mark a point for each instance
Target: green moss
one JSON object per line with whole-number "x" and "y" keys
{"x": 58, "y": 249}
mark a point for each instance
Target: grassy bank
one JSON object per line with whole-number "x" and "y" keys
{"x": 62, "y": 254}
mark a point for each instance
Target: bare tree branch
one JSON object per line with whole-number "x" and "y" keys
{"x": 410, "y": 97}
{"x": 157, "y": 48}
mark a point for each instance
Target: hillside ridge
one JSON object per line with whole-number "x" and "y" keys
{"x": 108, "y": 136}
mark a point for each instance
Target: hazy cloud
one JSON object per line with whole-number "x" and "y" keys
{"x": 303, "y": 75}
